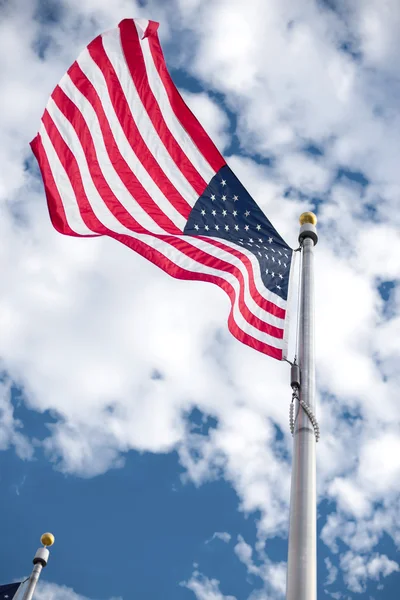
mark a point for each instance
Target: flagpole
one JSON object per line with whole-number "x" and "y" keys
{"x": 302, "y": 553}
{"x": 39, "y": 562}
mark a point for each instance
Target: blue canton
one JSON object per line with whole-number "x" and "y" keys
{"x": 227, "y": 211}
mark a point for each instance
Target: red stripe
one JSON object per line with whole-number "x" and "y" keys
{"x": 54, "y": 202}
{"x": 121, "y": 167}
{"x": 134, "y": 59}
{"x": 127, "y": 122}
{"x": 174, "y": 270}
{"x": 185, "y": 116}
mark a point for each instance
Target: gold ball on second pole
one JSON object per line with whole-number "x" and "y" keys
{"x": 308, "y": 217}
{"x": 47, "y": 539}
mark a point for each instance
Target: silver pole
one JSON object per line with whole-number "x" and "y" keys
{"x": 39, "y": 562}
{"x": 302, "y": 554}
{"x": 33, "y": 579}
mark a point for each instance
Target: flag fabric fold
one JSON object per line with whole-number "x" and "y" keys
{"x": 122, "y": 155}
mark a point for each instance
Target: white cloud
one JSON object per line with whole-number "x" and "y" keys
{"x": 224, "y": 536}
{"x": 349, "y": 497}
{"x": 205, "y": 588}
{"x": 358, "y": 569}
{"x": 272, "y": 574}
{"x": 211, "y": 116}
{"x": 332, "y": 572}
{"x": 10, "y": 434}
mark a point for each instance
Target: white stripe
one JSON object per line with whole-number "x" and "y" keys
{"x": 174, "y": 125}
{"x": 230, "y": 258}
{"x": 113, "y": 49}
{"x": 63, "y": 184}
{"x": 111, "y": 174}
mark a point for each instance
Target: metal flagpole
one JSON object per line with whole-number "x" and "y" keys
{"x": 40, "y": 561}
{"x": 302, "y": 554}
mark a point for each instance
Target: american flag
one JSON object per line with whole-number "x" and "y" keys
{"x": 122, "y": 155}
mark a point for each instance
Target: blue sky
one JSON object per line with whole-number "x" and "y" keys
{"x": 132, "y": 425}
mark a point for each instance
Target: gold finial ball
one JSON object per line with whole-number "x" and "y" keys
{"x": 47, "y": 539}
{"x": 308, "y": 217}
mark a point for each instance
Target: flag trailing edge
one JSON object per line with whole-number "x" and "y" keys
{"x": 122, "y": 155}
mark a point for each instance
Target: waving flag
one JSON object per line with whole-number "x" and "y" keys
{"x": 122, "y": 155}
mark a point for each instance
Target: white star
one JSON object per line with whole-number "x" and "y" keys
{"x": 206, "y": 227}
{"x": 223, "y": 182}
{"x": 213, "y": 212}
{"x": 266, "y": 255}
{"x": 234, "y": 213}
{"x": 235, "y": 198}
{"x": 279, "y": 287}
{"x": 279, "y": 252}
{"x": 273, "y": 259}
{"x": 258, "y": 246}
{"x": 223, "y": 198}
{"x": 213, "y": 197}
{"x": 251, "y": 240}
{"x": 272, "y": 274}
{"x": 270, "y": 240}
{"x": 286, "y": 255}
{"x": 246, "y": 214}
{"x": 260, "y": 240}
{"x": 280, "y": 276}
{"x": 246, "y": 227}
{"x": 227, "y": 227}
{"x": 248, "y": 243}
{"x": 259, "y": 253}
{"x": 266, "y": 271}
{"x": 240, "y": 242}
{"x": 272, "y": 249}
{"x": 237, "y": 229}
{"x": 203, "y": 212}
{"x": 224, "y": 213}
{"x": 258, "y": 227}
{"x": 217, "y": 227}
{"x": 279, "y": 262}
{"x": 285, "y": 265}
{"x": 196, "y": 227}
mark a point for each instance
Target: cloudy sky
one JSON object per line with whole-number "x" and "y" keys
{"x": 133, "y": 426}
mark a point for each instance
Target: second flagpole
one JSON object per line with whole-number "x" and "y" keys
{"x": 302, "y": 553}
{"x": 40, "y": 561}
